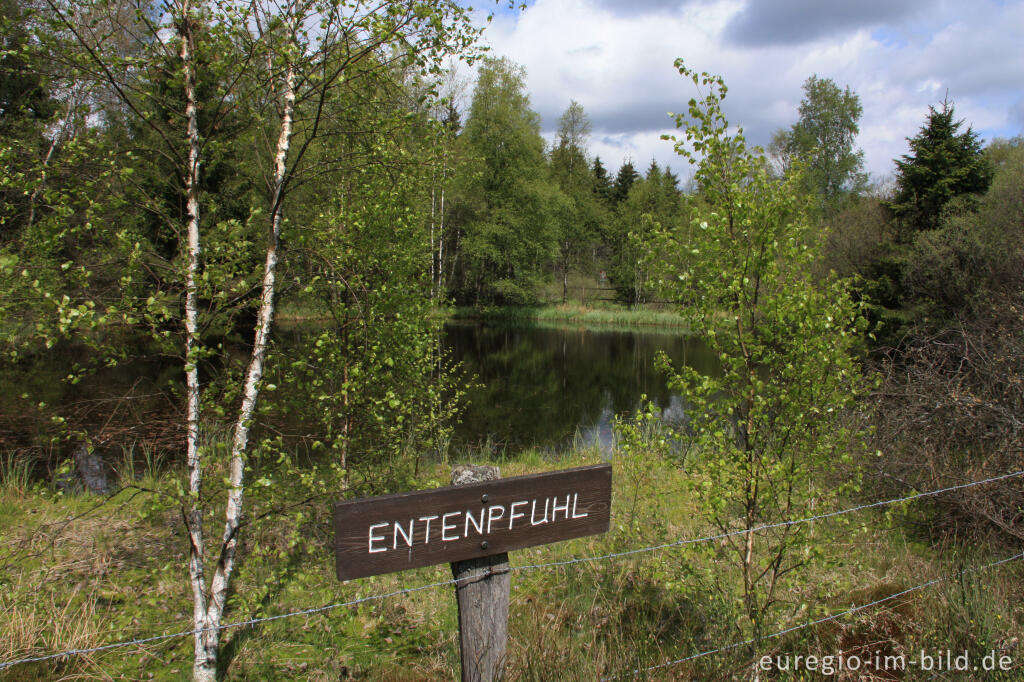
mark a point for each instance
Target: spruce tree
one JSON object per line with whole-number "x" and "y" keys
{"x": 670, "y": 180}
{"x": 943, "y": 164}
{"x": 653, "y": 172}
{"x": 26, "y": 108}
{"x": 602, "y": 181}
{"x": 623, "y": 181}
{"x": 24, "y": 92}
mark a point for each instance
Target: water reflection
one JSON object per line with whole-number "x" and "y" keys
{"x": 536, "y": 387}
{"x": 539, "y": 386}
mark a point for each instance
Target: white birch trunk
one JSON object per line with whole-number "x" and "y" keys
{"x": 433, "y": 280}
{"x": 440, "y": 249}
{"x": 193, "y": 514}
{"x": 58, "y": 139}
{"x": 236, "y": 473}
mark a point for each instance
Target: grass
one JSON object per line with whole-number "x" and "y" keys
{"x": 574, "y": 314}
{"x": 116, "y": 572}
{"x": 15, "y": 473}
{"x": 587, "y": 306}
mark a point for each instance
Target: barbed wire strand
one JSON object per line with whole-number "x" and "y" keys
{"x": 826, "y": 619}
{"x": 526, "y": 567}
{"x": 766, "y": 526}
{"x": 244, "y": 623}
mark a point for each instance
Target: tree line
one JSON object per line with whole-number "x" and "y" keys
{"x": 511, "y": 213}
{"x": 517, "y": 215}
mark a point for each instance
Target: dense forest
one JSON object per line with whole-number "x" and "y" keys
{"x": 184, "y": 182}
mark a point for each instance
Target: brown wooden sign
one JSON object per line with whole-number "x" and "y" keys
{"x": 408, "y": 530}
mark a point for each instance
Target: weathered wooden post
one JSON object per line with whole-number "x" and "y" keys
{"x": 482, "y": 594}
{"x": 472, "y": 525}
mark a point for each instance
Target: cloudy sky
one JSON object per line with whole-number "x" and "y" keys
{"x": 616, "y": 57}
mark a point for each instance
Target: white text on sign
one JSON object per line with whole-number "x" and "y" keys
{"x": 455, "y": 525}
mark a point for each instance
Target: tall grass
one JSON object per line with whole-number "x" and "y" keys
{"x": 139, "y": 462}
{"x": 15, "y": 473}
{"x": 574, "y": 314}
{"x": 47, "y": 625}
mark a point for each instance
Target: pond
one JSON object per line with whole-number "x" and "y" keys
{"x": 539, "y": 386}
{"x": 533, "y": 387}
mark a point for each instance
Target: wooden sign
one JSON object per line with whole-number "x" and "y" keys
{"x": 408, "y": 530}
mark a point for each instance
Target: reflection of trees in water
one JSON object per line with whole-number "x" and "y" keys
{"x": 539, "y": 385}
{"x": 602, "y": 430}
{"x": 128, "y": 406}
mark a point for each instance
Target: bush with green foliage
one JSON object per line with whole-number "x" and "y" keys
{"x": 958, "y": 376}
{"x": 770, "y": 435}
{"x": 974, "y": 253}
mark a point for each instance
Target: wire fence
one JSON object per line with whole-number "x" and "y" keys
{"x": 819, "y": 621}
{"x": 567, "y": 562}
{"x": 239, "y": 624}
{"x": 770, "y": 526}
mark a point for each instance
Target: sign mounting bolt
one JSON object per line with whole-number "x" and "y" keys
{"x": 483, "y": 498}
{"x": 483, "y": 545}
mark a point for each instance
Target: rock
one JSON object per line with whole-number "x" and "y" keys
{"x": 467, "y": 473}
{"x": 89, "y": 471}
{"x": 93, "y": 470}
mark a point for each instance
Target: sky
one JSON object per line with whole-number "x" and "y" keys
{"x": 615, "y": 57}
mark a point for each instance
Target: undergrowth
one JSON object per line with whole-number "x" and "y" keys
{"x": 75, "y": 573}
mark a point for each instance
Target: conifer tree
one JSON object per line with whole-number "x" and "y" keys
{"x": 602, "y": 181}
{"x": 943, "y": 164}
{"x": 624, "y": 181}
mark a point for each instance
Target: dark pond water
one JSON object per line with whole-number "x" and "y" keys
{"x": 534, "y": 387}
{"x": 539, "y": 386}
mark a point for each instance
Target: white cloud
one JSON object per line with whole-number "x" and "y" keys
{"x": 616, "y": 59}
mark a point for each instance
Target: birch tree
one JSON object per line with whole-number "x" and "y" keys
{"x": 309, "y": 49}
{"x": 823, "y": 140}
{"x": 512, "y": 209}
{"x": 446, "y": 117}
{"x": 286, "y": 64}
{"x": 571, "y": 172}
{"x": 773, "y": 431}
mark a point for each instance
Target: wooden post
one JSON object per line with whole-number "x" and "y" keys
{"x": 483, "y": 601}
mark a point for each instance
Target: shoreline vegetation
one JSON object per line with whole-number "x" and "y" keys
{"x": 575, "y": 314}
{"x": 571, "y": 314}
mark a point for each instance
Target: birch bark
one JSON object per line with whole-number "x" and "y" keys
{"x": 193, "y": 512}
{"x": 236, "y": 471}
